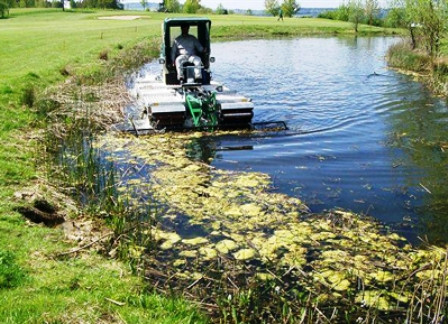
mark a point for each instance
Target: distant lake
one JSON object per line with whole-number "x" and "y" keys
{"x": 310, "y": 12}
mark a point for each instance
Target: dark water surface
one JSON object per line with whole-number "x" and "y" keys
{"x": 361, "y": 137}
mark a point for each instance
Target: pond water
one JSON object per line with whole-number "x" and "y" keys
{"x": 361, "y": 137}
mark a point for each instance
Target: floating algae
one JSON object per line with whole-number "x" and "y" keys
{"x": 245, "y": 254}
{"x": 245, "y": 222}
{"x": 225, "y": 246}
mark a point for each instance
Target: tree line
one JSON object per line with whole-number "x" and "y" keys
{"x": 99, "y": 4}
{"x": 426, "y": 20}
{"x": 189, "y": 7}
{"x": 288, "y": 7}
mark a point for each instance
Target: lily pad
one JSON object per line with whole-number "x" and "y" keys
{"x": 225, "y": 246}
{"x": 245, "y": 254}
{"x": 195, "y": 241}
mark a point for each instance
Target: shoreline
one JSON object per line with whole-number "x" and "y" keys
{"x": 37, "y": 260}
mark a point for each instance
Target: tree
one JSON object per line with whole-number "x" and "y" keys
{"x": 10, "y": 3}
{"x": 220, "y": 10}
{"x": 427, "y": 19}
{"x": 172, "y": 6}
{"x": 144, "y": 4}
{"x": 343, "y": 12}
{"x": 356, "y": 13}
{"x": 249, "y": 12}
{"x": 372, "y": 10}
{"x": 290, "y": 7}
{"x": 396, "y": 16}
{"x": 271, "y": 7}
{"x": 4, "y": 10}
{"x": 102, "y": 4}
{"x": 191, "y": 6}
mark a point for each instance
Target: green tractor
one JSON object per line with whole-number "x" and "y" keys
{"x": 189, "y": 99}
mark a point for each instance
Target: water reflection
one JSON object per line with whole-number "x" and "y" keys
{"x": 362, "y": 137}
{"x": 206, "y": 149}
{"x": 420, "y": 130}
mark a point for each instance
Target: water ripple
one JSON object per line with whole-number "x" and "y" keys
{"x": 350, "y": 123}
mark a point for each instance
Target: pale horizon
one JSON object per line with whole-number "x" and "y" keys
{"x": 259, "y": 4}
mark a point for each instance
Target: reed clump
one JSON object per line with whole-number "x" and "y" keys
{"x": 433, "y": 72}
{"x": 73, "y": 115}
{"x": 402, "y": 56}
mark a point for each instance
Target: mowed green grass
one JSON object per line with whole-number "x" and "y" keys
{"x": 46, "y": 40}
{"x": 40, "y": 41}
{"x": 35, "y": 46}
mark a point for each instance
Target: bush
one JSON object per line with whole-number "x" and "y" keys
{"x": 221, "y": 10}
{"x": 11, "y": 275}
{"x": 4, "y": 10}
{"x": 396, "y": 18}
{"x": 328, "y": 15}
{"x": 101, "y": 4}
{"x": 191, "y": 6}
{"x": 402, "y": 56}
{"x": 28, "y": 96}
{"x": 57, "y": 4}
{"x": 341, "y": 13}
{"x": 204, "y": 11}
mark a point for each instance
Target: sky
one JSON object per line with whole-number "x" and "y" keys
{"x": 259, "y": 4}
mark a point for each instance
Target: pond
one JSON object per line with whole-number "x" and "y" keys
{"x": 361, "y": 137}
{"x": 211, "y": 209}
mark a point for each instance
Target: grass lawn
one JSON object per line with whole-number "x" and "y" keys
{"x": 35, "y": 46}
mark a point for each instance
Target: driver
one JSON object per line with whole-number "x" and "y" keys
{"x": 186, "y": 48}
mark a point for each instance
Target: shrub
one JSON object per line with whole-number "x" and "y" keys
{"x": 191, "y": 6}
{"x": 402, "y": 56}
{"x": 204, "y": 11}
{"x": 396, "y": 18}
{"x": 341, "y": 13}
{"x": 221, "y": 10}
{"x": 102, "y": 4}
{"x": 28, "y": 96}
{"x": 11, "y": 275}
{"x": 57, "y": 4}
{"x": 332, "y": 14}
{"x": 4, "y": 10}
{"x": 6, "y": 89}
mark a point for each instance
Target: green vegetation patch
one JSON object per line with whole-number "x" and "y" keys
{"x": 232, "y": 219}
{"x": 11, "y": 274}
{"x": 402, "y": 56}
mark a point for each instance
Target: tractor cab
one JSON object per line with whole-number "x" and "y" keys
{"x": 190, "y": 100}
{"x": 199, "y": 28}
{"x": 197, "y": 102}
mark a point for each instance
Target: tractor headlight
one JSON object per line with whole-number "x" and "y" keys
{"x": 212, "y": 59}
{"x": 162, "y": 60}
